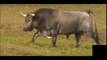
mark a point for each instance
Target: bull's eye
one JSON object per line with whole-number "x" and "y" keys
{"x": 28, "y": 21}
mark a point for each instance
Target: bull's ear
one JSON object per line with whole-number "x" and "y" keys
{"x": 22, "y": 14}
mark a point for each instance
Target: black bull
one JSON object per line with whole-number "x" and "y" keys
{"x": 52, "y": 22}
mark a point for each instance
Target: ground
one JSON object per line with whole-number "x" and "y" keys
{"x": 16, "y": 42}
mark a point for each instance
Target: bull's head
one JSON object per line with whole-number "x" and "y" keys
{"x": 28, "y": 21}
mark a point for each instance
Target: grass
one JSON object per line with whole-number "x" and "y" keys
{"x": 15, "y": 42}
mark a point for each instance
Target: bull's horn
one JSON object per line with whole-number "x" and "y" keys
{"x": 33, "y": 14}
{"x": 22, "y": 14}
{"x": 48, "y": 37}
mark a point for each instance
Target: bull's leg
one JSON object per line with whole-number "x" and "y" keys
{"x": 54, "y": 32}
{"x": 93, "y": 36}
{"x": 36, "y": 34}
{"x": 77, "y": 36}
{"x": 54, "y": 38}
{"x": 67, "y": 36}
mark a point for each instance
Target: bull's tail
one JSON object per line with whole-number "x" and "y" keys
{"x": 96, "y": 34}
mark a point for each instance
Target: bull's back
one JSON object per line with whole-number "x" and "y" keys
{"x": 69, "y": 22}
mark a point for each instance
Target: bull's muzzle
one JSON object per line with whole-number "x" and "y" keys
{"x": 27, "y": 29}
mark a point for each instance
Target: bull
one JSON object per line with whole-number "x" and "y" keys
{"x": 52, "y": 22}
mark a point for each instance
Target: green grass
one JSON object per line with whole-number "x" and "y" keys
{"x": 15, "y": 42}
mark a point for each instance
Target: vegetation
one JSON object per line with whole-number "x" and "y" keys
{"x": 15, "y": 42}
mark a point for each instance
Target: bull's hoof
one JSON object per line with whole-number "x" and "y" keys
{"x": 32, "y": 41}
{"x": 77, "y": 46}
{"x": 54, "y": 46}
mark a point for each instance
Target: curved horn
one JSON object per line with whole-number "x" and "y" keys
{"x": 33, "y": 14}
{"x": 22, "y": 14}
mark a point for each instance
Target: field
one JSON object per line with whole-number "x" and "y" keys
{"x": 16, "y": 42}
